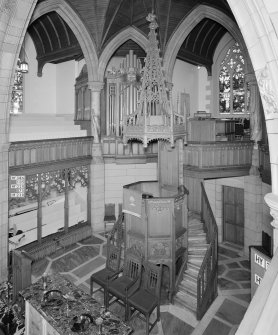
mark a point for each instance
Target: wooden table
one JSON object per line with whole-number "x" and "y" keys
{"x": 44, "y": 319}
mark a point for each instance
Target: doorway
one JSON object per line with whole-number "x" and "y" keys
{"x": 233, "y": 215}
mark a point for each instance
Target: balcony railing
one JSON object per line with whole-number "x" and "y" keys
{"x": 42, "y": 151}
{"x": 218, "y": 154}
{"x": 115, "y": 148}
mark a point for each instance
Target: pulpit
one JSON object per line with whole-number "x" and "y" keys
{"x": 156, "y": 225}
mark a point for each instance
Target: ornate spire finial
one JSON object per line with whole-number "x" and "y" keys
{"x": 152, "y": 19}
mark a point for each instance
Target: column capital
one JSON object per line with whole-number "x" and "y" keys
{"x": 272, "y": 201}
{"x": 95, "y": 86}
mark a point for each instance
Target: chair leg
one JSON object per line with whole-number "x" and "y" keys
{"x": 147, "y": 324}
{"x": 91, "y": 287}
{"x": 158, "y": 313}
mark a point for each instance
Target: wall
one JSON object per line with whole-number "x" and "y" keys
{"x": 204, "y": 89}
{"x": 185, "y": 79}
{"x": 118, "y": 175}
{"x": 39, "y": 92}
{"x": 53, "y": 93}
{"x": 65, "y": 92}
{"x": 256, "y": 215}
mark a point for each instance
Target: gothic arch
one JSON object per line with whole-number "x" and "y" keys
{"x": 79, "y": 29}
{"x": 198, "y": 14}
{"x": 126, "y": 34}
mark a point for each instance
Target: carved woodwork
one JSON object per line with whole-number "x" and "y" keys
{"x": 154, "y": 117}
{"x": 156, "y": 224}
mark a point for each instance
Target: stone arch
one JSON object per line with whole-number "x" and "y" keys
{"x": 126, "y": 34}
{"x": 77, "y": 26}
{"x": 14, "y": 17}
{"x": 198, "y": 14}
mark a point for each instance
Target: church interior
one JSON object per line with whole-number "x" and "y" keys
{"x": 139, "y": 185}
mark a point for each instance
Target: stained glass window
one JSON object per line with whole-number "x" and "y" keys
{"x": 233, "y": 90}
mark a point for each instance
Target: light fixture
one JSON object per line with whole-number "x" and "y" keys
{"x": 24, "y": 67}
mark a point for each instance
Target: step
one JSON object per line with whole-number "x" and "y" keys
{"x": 187, "y": 299}
{"x": 195, "y": 229}
{"x": 193, "y": 267}
{"x": 191, "y": 274}
{"x": 189, "y": 281}
{"x": 196, "y": 234}
{"x": 197, "y": 250}
{"x": 197, "y": 245}
{"x": 181, "y": 304}
{"x": 188, "y": 288}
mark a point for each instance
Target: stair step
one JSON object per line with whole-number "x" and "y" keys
{"x": 179, "y": 302}
{"x": 185, "y": 288}
{"x": 193, "y": 267}
{"x": 187, "y": 300}
{"x": 196, "y": 234}
{"x": 193, "y": 237}
{"x": 192, "y": 274}
{"x": 196, "y": 225}
{"x": 197, "y": 251}
{"x": 198, "y": 245}
{"x": 189, "y": 281}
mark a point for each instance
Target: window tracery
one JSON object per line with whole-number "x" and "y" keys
{"x": 234, "y": 93}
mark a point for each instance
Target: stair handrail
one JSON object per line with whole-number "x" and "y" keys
{"x": 207, "y": 275}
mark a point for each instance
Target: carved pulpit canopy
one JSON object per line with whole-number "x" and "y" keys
{"x": 154, "y": 117}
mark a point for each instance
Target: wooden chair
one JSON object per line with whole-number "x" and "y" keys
{"x": 120, "y": 282}
{"x": 146, "y": 297}
{"x": 109, "y": 216}
{"x": 112, "y": 267}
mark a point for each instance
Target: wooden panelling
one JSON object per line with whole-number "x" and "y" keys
{"x": 218, "y": 154}
{"x": 114, "y": 148}
{"x": 43, "y": 151}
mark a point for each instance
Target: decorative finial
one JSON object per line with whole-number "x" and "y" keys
{"x": 152, "y": 19}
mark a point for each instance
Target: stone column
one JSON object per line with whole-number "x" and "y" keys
{"x": 97, "y": 176}
{"x": 255, "y": 121}
{"x": 272, "y": 201}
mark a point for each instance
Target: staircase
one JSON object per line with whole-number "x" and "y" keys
{"x": 186, "y": 296}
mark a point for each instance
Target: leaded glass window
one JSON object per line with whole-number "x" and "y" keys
{"x": 233, "y": 91}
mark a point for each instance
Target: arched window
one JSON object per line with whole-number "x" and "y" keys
{"x": 234, "y": 93}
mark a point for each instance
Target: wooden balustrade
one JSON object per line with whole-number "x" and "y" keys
{"x": 115, "y": 148}
{"x": 207, "y": 276}
{"x": 218, "y": 154}
{"x": 42, "y": 151}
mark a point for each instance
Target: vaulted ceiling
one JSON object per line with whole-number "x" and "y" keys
{"x": 55, "y": 42}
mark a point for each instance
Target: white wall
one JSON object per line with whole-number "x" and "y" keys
{"x": 65, "y": 92}
{"x": 53, "y": 93}
{"x": 39, "y": 92}
{"x": 118, "y": 175}
{"x": 185, "y": 80}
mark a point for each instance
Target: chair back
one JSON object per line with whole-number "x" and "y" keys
{"x": 132, "y": 264}
{"x": 113, "y": 257}
{"x": 152, "y": 278}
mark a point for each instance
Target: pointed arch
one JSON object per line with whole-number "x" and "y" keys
{"x": 87, "y": 44}
{"x": 186, "y": 26}
{"x": 129, "y": 33}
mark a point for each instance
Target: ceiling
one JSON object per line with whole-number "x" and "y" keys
{"x": 55, "y": 42}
